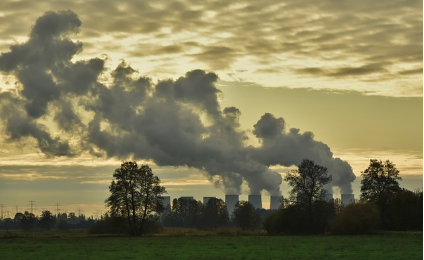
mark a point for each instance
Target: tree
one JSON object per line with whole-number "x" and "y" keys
{"x": 47, "y": 220}
{"x": 27, "y": 221}
{"x": 186, "y": 212}
{"x": 215, "y": 214}
{"x": 307, "y": 184}
{"x": 357, "y": 218}
{"x": 379, "y": 178}
{"x": 245, "y": 215}
{"x": 135, "y": 195}
{"x": 404, "y": 211}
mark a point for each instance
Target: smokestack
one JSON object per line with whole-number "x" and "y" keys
{"x": 206, "y": 199}
{"x": 276, "y": 202}
{"x": 166, "y": 201}
{"x": 256, "y": 201}
{"x": 347, "y": 199}
{"x": 231, "y": 201}
{"x": 328, "y": 197}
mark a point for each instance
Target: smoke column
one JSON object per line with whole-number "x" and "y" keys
{"x": 172, "y": 122}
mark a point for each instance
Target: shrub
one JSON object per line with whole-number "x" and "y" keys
{"x": 152, "y": 225}
{"x": 296, "y": 219}
{"x": 291, "y": 220}
{"x": 357, "y": 218}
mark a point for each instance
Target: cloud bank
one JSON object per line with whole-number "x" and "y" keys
{"x": 72, "y": 107}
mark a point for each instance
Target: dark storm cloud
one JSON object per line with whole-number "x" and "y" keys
{"x": 172, "y": 122}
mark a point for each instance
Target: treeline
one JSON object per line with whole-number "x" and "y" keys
{"x": 383, "y": 204}
{"x": 136, "y": 207}
{"x": 402, "y": 210}
{"x": 46, "y": 221}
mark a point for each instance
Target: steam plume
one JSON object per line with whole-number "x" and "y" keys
{"x": 174, "y": 122}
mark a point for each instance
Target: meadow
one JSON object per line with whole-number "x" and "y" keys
{"x": 204, "y": 245}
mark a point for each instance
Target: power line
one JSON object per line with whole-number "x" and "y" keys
{"x": 32, "y": 205}
{"x": 57, "y": 208}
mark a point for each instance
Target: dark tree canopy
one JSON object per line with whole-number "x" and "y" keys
{"x": 307, "y": 183}
{"x": 27, "y": 220}
{"x": 215, "y": 214}
{"x": 135, "y": 195}
{"x": 47, "y": 220}
{"x": 186, "y": 212}
{"x": 379, "y": 178}
{"x": 245, "y": 215}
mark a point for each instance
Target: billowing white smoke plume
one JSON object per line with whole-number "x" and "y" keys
{"x": 174, "y": 123}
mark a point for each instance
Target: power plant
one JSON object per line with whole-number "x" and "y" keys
{"x": 256, "y": 201}
{"x": 166, "y": 201}
{"x": 347, "y": 199}
{"x": 231, "y": 201}
{"x": 328, "y": 197}
{"x": 276, "y": 202}
{"x": 206, "y": 199}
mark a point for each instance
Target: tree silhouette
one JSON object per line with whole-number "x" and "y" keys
{"x": 245, "y": 215}
{"x": 307, "y": 184}
{"x": 215, "y": 214}
{"x": 186, "y": 212}
{"x": 27, "y": 221}
{"x": 378, "y": 179}
{"x": 47, "y": 220}
{"x": 135, "y": 195}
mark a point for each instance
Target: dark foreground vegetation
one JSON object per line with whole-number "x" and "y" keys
{"x": 136, "y": 208}
{"x": 194, "y": 244}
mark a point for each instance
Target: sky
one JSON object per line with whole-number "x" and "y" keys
{"x": 217, "y": 98}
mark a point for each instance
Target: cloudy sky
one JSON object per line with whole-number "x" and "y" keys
{"x": 217, "y": 98}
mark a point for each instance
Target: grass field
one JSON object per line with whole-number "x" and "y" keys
{"x": 390, "y": 245}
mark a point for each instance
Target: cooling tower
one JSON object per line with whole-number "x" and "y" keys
{"x": 166, "y": 201}
{"x": 256, "y": 201}
{"x": 328, "y": 197}
{"x": 206, "y": 199}
{"x": 347, "y": 199}
{"x": 187, "y": 198}
{"x": 231, "y": 201}
{"x": 276, "y": 202}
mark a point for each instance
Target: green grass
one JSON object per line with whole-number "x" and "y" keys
{"x": 388, "y": 245}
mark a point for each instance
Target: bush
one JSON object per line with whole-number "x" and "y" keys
{"x": 109, "y": 225}
{"x": 296, "y": 219}
{"x": 62, "y": 225}
{"x": 404, "y": 211}
{"x": 291, "y": 220}
{"x": 152, "y": 225}
{"x": 357, "y": 218}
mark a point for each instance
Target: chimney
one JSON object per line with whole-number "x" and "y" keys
{"x": 276, "y": 202}
{"x": 231, "y": 201}
{"x": 347, "y": 199}
{"x": 166, "y": 201}
{"x": 187, "y": 198}
{"x": 206, "y": 199}
{"x": 328, "y": 197}
{"x": 256, "y": 201}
